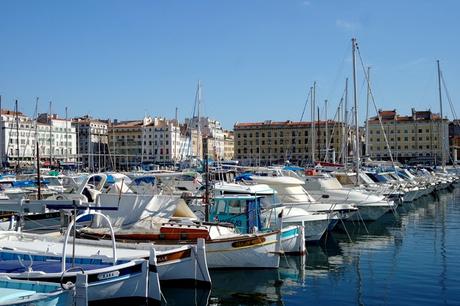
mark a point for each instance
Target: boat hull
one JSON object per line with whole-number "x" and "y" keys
{"x": 246, "y": 251}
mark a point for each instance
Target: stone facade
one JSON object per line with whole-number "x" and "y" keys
{"x": 269, "y": 142}
{"x": 418, "y": 137}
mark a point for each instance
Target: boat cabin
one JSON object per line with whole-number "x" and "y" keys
{"x": 243, "y": 211}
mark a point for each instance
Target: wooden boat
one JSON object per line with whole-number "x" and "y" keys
{"x": 225, "y": 248}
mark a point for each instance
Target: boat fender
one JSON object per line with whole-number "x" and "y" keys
{"x": 69, "y": 285}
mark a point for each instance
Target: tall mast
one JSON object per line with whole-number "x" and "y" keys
{"x": 89, "y": 145}
{"x": 39, "y": 184}
{"x": 441, "y": 128}
{"x": 37, "y": 147}
{"x": 345, "y": 134}
{"x": 114, "y": 162}
{"x": 198, "y": 101}
{"x": 51, "y": 135}
{"x": 313, "y": 94}
{"x": 327, "y": 134}
{"x": 339, "y": 119}
{"x": 367, "y": 109}
{"x": 318, "y": 134}
{"x": 66, "y": 137}
{"x": 78, "y": 144}
{"x": 17, "y": 135}
{"x": 143, "y": 139}
{"x": 355, "y": 100}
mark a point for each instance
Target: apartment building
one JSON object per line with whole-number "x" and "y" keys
{"x": 419, "y": 137}
{"x": 166, "y": 140}
{"x": 150, "y": 141}
{"x": 270, "y": 142}
{"x": 126, "y": 142}
{"x": 19, "y": 133}
{"x": 92, "y": 143}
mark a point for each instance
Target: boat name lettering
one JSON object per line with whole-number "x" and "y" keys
{"x": 240, "y": 244}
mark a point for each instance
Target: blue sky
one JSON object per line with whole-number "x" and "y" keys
{"x": 256, "y": 59}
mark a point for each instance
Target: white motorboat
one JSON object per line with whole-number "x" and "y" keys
{"x": 315, "y": 223}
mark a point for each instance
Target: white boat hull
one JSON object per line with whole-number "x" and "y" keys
{"x": 248, "y": 251}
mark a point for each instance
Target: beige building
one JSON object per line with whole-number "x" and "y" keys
{"x": 229, "y": 145}
{"x": 126, "y": 143}
{"x": 269, "y": 142}
{"x": 416, "y": 138}
{"x": 151, "y": 141}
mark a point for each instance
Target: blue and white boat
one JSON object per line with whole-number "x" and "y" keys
{"x": 22, "y": 292}
{"x": 245, "y": 213}
{"x": 108, "y": 278}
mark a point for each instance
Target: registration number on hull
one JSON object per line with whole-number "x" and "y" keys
{"x": 108, "y": 275}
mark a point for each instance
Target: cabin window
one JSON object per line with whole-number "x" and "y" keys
{"x": 234, "y": 207}
{"x": 220, "y": 207}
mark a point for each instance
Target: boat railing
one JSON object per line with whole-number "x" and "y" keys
{"x": 72, "y": 224}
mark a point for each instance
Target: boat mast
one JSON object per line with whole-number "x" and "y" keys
{"x": 340, "y": 131}
{"x": 313, "y": 93}
{"x": 36, "y": 130}
{"x": 66, "y": 137}
{"x": 345, "y": 134}
{"x": 17, "y": 135}
{"x": 143, "y": 139}
{"x": 198, "y": 101}
{"x": 355, "y": 100}
{"x": 114, "y": 161}
{"x": 367, "y": 109}
{"x": 441, "y": 128}
{"x": 318, "y": 135}
{"x": 39, "y": 185}
{"x": 327, "y": 134}
{"x": 51, "y": 135}
{"x": 78, "y": 144}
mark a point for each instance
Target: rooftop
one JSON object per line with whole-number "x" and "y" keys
{"x": 288, "y": 123}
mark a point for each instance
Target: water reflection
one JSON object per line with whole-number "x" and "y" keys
{"x": 185, "y": 296}
{"x": 408, "y": 258}
{"x": 246, "y": 287}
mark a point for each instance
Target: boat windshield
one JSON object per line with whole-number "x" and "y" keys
{"x": 377, "y": 177}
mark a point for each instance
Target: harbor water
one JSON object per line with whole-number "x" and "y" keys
{"x": 411, "y": 257}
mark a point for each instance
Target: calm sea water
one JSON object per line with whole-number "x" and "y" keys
{"x": 411, "y": 258}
